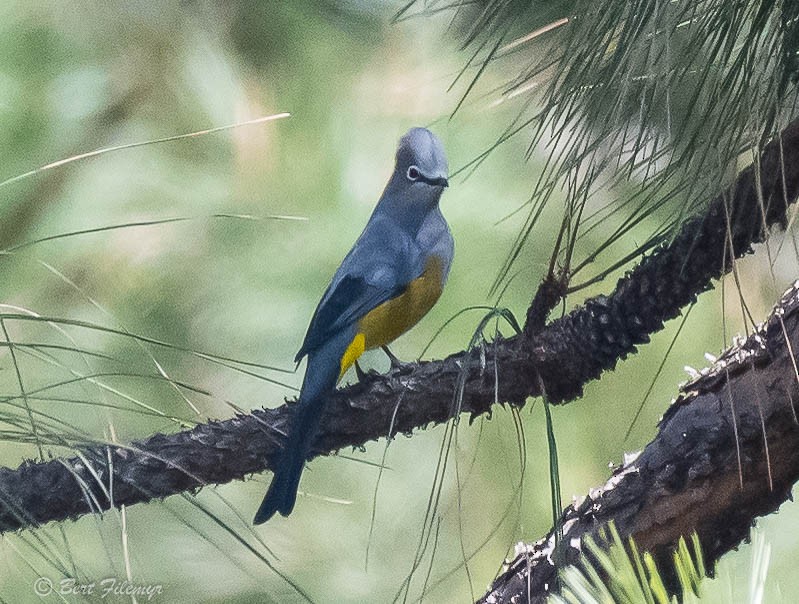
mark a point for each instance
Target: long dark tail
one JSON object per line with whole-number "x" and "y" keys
{"x": 320, "y": 380}
{"x": 282, "y": 493}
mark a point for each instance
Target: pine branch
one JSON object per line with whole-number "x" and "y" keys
{"x": 708, "y": 470}
{"x": 565, "y": 354}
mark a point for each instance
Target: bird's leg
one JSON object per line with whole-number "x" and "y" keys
{"x": 360, "y": 372}
{"x": 395, "y": 362}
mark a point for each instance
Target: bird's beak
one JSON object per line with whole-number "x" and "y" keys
{"x": 439, "y": 182}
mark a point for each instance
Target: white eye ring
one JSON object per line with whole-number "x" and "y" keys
{"x": 413, "y": 173}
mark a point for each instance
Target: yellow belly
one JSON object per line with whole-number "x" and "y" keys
{"x": 385, "y": 323}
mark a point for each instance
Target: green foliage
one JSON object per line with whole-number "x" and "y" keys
{"x": 654, "y": 102}
{"x": 617, "y": 573}
{"x": 620, "y": 574}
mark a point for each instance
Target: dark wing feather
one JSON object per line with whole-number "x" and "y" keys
{"x": 352, "y": 297}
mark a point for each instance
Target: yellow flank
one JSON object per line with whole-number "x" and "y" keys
{"x": 354, "y": 350}
{"x": 392, "y": 318}
{"x": 385, "y": 323}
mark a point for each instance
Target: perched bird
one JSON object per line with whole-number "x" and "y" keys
{"x": 391, "y": 277}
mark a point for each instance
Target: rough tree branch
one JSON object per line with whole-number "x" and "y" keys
{"x": 565, "y": 354}
{"x": 726, "y": 452}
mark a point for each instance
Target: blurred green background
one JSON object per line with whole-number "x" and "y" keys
{"x": 78, "y": 76}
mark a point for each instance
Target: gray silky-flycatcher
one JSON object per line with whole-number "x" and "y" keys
{"x": 389, "y": 280}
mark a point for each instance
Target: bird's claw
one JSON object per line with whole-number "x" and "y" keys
{"x": 397, "y": 365}
{"x": 364, "y": 376}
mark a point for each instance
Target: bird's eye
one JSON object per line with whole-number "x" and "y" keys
{"x": 413, "y": 173}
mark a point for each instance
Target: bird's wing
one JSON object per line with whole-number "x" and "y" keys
{"x": 378, "y": 268}
{"x": 344, "y": 304}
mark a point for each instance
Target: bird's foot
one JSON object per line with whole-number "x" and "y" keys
{"x": 364, "y": 376}
{"x": 396, "y": 364}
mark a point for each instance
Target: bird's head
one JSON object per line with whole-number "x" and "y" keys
{"x": 421, "y": 162}
{"x": 419, "y": 178}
